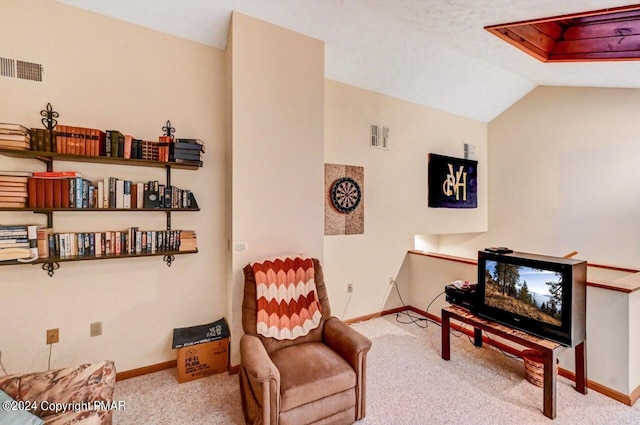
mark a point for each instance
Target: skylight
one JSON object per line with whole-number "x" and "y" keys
{"x": 601, "y": 35}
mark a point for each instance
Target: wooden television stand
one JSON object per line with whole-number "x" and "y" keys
{"x": 549, "y": 350}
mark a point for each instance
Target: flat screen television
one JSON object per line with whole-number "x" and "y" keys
{"x": 538, "y": 294}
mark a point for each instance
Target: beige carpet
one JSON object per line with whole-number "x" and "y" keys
{"x": 407, "y": 383}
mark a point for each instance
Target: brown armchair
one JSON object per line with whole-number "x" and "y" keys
{"x": 318, "y": 378}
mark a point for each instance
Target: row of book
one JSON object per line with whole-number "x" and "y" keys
{"x": 188, "y": 151}
{"x": 132, "y": 241}
{"x": 13, "y": 189}
{"x": 72, "y": 140}
{"x": 18, "y": 242}
{"x": 14, "y": 136}
{"x": 68, "y": 189}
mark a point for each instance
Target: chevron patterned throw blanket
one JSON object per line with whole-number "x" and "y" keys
{"x": 288, "y": 304}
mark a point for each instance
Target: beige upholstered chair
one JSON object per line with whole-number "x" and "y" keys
{"x": 318, "y": 378}
{"x": 85, "y": 390}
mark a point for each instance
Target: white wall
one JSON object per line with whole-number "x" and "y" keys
{"x": 276, "y": 149}
{"x": 395, "y": 192}
{"x": 105, "y": 73}
{"x": 562, "y": 173}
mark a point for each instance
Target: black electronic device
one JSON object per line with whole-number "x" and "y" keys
{"x": 542, "y": 295}
{"x": 460, "y": 294}
{"x": 499, "y": 250}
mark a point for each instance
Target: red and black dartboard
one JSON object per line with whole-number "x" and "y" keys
{"x": 345, "y": 194}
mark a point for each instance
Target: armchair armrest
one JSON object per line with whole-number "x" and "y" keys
{"x": 353, "y": 347}
{"x": 256, "y": 361}
{"x": 346, "y": 341}
{"x": 262, "y": 375}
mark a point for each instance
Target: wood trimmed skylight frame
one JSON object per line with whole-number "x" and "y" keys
{"x": 602, "y": 35}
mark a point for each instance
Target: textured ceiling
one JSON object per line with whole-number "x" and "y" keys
{"x": 431, "y": 52}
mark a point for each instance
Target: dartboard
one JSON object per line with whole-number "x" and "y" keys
{"x": 345, "y": 194}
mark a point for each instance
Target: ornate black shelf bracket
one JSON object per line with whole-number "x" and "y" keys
{"x": 50, "y": 268}
{"x": 49, "y": 121}
{"x": 168, "y": 259}
{"x": 168, "y": 129}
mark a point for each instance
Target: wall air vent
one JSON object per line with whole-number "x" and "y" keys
{"x": 22, "y": 70}
{"x": 379, "y": 137}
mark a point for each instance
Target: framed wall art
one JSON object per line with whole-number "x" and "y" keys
{"x": 452, "y": 182}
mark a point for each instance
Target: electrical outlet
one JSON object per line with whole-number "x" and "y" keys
{"x": 96, "y": 329}
{"x": 53, "y": 336}
{"x": 350, "y": 288}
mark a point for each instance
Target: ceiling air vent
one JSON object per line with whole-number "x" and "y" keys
{"x": 379, "y": 137}
{"x": 22, "y": 70}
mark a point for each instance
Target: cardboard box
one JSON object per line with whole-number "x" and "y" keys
{"x": 199, "y": 361}
{"x": 202, "y": 350}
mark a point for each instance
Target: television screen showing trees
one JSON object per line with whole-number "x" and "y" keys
{"x": 524, "y": 291}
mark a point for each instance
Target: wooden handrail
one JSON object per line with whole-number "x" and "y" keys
{"x": 622, "y": 287}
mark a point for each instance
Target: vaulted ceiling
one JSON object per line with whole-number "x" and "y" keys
{"x": 431, "y": 52}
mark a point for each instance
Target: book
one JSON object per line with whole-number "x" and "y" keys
{"x": 189, "y": 146}
{"x": 13, "y": 199}
{"x": 165, "y": 148}
{"x": 119, "y": 194}
{"x": 13, "y": 186}
{"x": 100, "y": 195}
{"x": 64, "y": 193}
{"x": 92, "y": 192}
{"x": 14, "y": 231}
{"x": 188, "y": 161}
{"x": 13, "y": 181}
{"x": 127, "y": 146}
{"x": 21, "y": 194}
{"x": 140, "y": 195}
{"x": 5, "y": 173}
{"x": 77, "y": 191}
{"x": 134, "y": 196}
{"x": 32, "y": 234}
{"x": 120, "y": 146}
{"x": 85, "y": 193}
{"x": 48, "y": 193}
{"x": 127, "y": 194}
{"x": 150, "y": 150}
{"x": 38, "y": 193}
{"x": 57, "y": 192}
{"x": 56, "y": 174}
{"x": 7, "y": 254}
{"x": 60, "y": 139}
{"x": 12, "y": 128}
{"x": 15, "y": 137}
{"x": 151, "y": 199}
{"x": 190, "y": 155}
{"x": 193, "y": 141}
{"x": 13, "y": 239}
{"x": 4, "y": 204}
{"x": 112, "y": 192}
{"x": 105, "y": 148}
{"x": 42, "y": 235}
{"x": 14, "y": 144}
{"x": 34, "y": 140}
{"x": 21, "y": 244}
{"x": 32, "y": 192}
{"x": 187, "y": 240}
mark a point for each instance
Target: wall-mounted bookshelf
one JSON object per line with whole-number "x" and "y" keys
{"x": 51, "y": 263}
